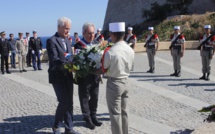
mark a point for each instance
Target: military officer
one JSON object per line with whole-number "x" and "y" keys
{"x": 207, "y": 52}
{"x": 36, "y": 46}
{"x": 22, "y": 50}
{"x": 131, "y": 38}
{"x": 177, "y": 49}
{"x": 117, "y": 64}
{"x": 29, "y": 54}
{"x": 4, "y": 51}
{"x": 152, "y": 43}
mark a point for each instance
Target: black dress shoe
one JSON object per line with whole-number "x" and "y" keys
{"x": 24, "y": 70}
{"x": 20, "y": 71}
{"x": 96, "y": 122}
{"x": 8, "y": 72}
{"x": 89, "y": 124}
{"x": 71, "y": 132}
{"x": 56, "y": 130}
{"x": 39, "y": 69}
{"x": 2, "y": 72}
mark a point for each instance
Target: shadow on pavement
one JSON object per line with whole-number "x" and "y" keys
{"x": 186, "y": 131}
{"x": 211, "y": 90}
{"x": 148, "y": 76}
{"x": 165, "y": 80}
{"x": 32, "y": 124}
{"x": 193, "y": 84}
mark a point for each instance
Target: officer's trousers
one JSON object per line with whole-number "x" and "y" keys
{"x": 22, "y": 60}
{"x": 206, "y": 61}
{"x": 117, "y": 99}
{"x": 176, "y": 55}
{"x": 151, "y": 57}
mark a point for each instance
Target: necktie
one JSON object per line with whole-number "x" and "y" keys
{"x": 64, "y": 44}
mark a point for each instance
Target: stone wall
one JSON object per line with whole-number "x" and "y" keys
{"x": 130, "y": 11}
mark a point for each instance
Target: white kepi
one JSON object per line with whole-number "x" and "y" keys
{"x": 117, "y": 27}
{"x": 207, "y": 26}
{"x": 177, "y": 27}
{"x": 130, "y": 28}
{"x": 150, "y": 28}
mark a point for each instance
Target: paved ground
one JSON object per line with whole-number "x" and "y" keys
{"x": 159, "y": 104}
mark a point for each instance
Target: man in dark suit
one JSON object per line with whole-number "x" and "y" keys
{"x": 4, "y": 51}
{"x": 36, "y": 45}
{"x": 88, "y": 88}
{"x": 60, "y": 78}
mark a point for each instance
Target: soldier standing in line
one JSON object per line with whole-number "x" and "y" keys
{"x": 29, "y": 54}
{"x": 152, "y": 43}
{"x": 131, "y": 38}
{"x": 5, "y": 52}
{"x": 98, "y": 36}
{"x": 22, "y": 50}
{"x": 177, "y": 49}
{"x": 36, "y": 46}
{"x": 207, "y": 52}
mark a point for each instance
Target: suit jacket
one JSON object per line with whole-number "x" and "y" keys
{"x": 35, "y": 44}
{"x": 4, "y": 47}
{"x": 21, "y": 46}
{"x": 56, "y": 50}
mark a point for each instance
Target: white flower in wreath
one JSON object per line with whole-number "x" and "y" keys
{"x": 81, "y": 56}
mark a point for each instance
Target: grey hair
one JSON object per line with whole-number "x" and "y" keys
{"x": 86, "y": 25}
{"x": 61, "y": 21}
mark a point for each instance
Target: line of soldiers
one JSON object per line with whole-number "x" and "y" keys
{"x": 29, "y": 47}
{"x": 177, "y": 49}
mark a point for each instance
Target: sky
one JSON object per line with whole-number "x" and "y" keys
{"x": 42, "y": 15}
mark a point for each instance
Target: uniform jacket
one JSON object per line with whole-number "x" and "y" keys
{"x": 56, "y": 51}
{"x": 4, "y": 47}
{"x": 35, "y": 44}
{"x": 21, "y": 46}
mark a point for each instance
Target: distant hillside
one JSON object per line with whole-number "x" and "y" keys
{"x": 133, "y": 11}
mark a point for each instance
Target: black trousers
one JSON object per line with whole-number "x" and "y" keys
{"x": 4, "y": 60}
{"x": 29, "y": 57}
{"x": 64, "y": 112}
{"x": 88, "y": 90}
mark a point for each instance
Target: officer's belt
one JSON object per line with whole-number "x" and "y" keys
{"x": 207, "y": 48}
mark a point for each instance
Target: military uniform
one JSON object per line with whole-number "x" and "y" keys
{"x": 131, "y": 39}
{"x": 177, "y": 51}
{"x": 151, "y": 48}
{"x": 36, "y": 46}
{"x": 22, "y": 50}
{"x": 4, "y": 51}
{"x": 207, "y": 52}
{"x": 98, "y": 36}
{"x": 118, "y": 62}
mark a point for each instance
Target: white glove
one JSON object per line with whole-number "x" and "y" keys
{"x": 40, "y": 51}
{"x": 9, "y": 53}
{"x": 33, "y": 52}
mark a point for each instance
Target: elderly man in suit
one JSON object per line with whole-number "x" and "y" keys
{"x": 60, "y": 78}
{"x": 88, "y": 88}
{"x": 21, "y": 50}
{"x": 4, "y": 51}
